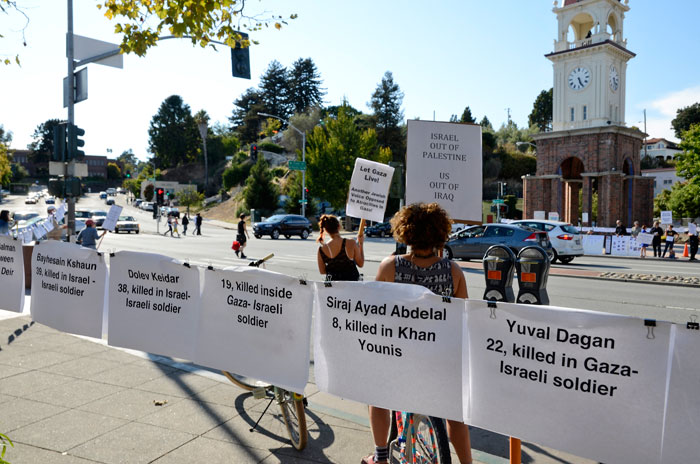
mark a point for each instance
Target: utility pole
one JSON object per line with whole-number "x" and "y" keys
{"x": 70, "y": 221}
{"x": 645, "y": 132}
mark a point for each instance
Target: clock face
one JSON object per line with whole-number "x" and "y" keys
{"x": 579, "y": 78}
{"x": 614, "y": 79}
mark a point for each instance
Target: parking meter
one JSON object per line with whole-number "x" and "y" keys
{"x": 499, "y": 264}
{"x": 533, "y": 269}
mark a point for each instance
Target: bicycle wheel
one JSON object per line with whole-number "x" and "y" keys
{"x": 429, "y": 444}
{"x": 246, "y": 383}
{"x": 292, "y": 407}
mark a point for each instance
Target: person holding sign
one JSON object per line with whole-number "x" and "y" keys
{"x": 670, "y": 238}
{"x": 425, "y": 228}
{"x": 657, "y": 232}
{"x": 643, "y": 247}
{"x": 88, "y": 236}
{"x": 693, "y": 239}
{"x": 338, "y": 259}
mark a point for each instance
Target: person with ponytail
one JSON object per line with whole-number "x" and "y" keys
{"x": 338, "y": 258}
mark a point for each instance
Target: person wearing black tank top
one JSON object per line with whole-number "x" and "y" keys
{"x": 425, "y": 228}
{"x": 339, "y": 258}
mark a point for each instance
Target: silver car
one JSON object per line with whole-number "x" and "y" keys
{"x": 472, "y": 242}
{"x": 565, "y": 238}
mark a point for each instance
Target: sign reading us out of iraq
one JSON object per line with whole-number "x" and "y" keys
{"x": 68, "y": 287}
{"x": 369, "y": 190}
{"x": 153, "y": 304}
{"x": 443, "y": 165}
{"x": 404, "y": 334}
{"x": 591, "y": 384}
{"x": 256, "y": 323}
{"x": 11, "y": 274}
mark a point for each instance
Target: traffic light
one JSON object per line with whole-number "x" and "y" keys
{"x": 240, "y": 59}
{"x": 159, "y": 196}
{"x": 59, "y": 142}
{"x": 74, "y": 142}
{"x": 127, "y": 175}
{"x": 254, "y": 152}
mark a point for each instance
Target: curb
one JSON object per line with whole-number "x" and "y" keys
{"x": 652, "y": 282}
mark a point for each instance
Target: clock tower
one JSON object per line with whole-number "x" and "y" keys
{"x": 589, "y": 151}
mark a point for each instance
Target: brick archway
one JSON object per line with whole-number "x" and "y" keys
{"x": 571, "y": 182}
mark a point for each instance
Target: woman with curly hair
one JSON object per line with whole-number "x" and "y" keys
{"x": 339, "y": 258}
{"x": 425, "y": 228}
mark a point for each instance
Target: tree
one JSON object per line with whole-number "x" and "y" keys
{"x": 331, "y": 150}
{"x": 291, "y": 140}
{"x": 173, "y": 135}
{"x": 5, "y": 136}
{"x": 42, "y": 146}
{"x": 688, "y": 162}
{"x": 683, "y": 199}
{"x": 128, "y": 158}
{"x": 305, "y": 89}
{"x": 235, "y": 174}
{"x": 260, "y": 193}
{"x": 18, "y": 172}
{"x": 189, "y": 196}
{"x": 386, "y": 104}
{"x": 142, "y": 22}
{"x": 113, "y": 171}
{"x": 274, "y": 90}
{"x": 510, "y": 133}
{"x": 685, "y": 118}
{"x": 486, "y": 124}
{"x": 5, "y": 165}
{"x": 148, "y": 192}
{"x": 245, "y": 115}
{"x": 541, "y": 115}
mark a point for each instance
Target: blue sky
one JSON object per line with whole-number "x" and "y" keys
{"x": 444, "y": 55}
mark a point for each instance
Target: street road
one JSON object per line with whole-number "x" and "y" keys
{"x": 298, "y": 258}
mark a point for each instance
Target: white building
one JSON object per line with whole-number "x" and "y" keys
{"x": 664, "y": 178}
{"x": 661, "y": 149}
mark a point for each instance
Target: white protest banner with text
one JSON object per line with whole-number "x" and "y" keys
{"x": 590, "y": 384}
{"x": 112, "y": 217}
{"x": 644, "y": 238}
{"x": 369, "y": 190}
{"x": 553, "y": 216}
{"x": 256, "y": 323}
{"x": 11, "y": 274}
{"x": 692, "y": 228}
{"x": 620, "y": 245}
{"x": 666, "y": 217}
{"x": 443, "y": 165}
{"x": 683, "y": 411}
{"x": 60, "y": 212}
{"x": 153, "y": 304}
{"x": 391, "y": 345}
{"x": 593, "y": 244}
{"x": 68, "y": 287}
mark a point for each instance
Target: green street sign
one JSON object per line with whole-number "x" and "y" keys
{"x": 297, "y": 165}
{"x": 498, "y": 202}
{"x": 303, "y": 202}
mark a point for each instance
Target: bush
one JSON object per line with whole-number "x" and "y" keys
{"x": 235, "y": 175}
{"x": 269, "y": 146}
{"x": 279, "y": 171}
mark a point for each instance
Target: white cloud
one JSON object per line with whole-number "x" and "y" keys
{"x": 662, "y": 111}
{"x": 671, "y": 103}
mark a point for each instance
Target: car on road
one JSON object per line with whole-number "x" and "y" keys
{"x": 137, "y": 202}
{"x": 127, "y": 224}
{"x": 24, "y": 215}
{"x": 30, "y": 200}
{"x": 382, "y": 229}
{"x": 79, "y": 225}
{"x": 283, "y": 224}
{"x": 109, "y": 201}
{"x": 146, "y": 206}
{"x": 472, "y": 242}
{"x": 50, "y": 200}
{"x": 566, "y": 239}
{"x": 103, "y": 195}
{"x": 98, "y": 216}
{"x": 111, "y": 192}
{"x": 167, "y": 211}
{"x": 83, "y": 214}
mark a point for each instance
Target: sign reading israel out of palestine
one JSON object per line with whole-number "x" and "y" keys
{"x": 112, "y": 217}
{"x": 153, "y": 304}
{"x": 11, "y": 274}
{"x": 369, "y": 190}
{"x": 256, "y": 323}
{"x": 68, "y": 287}
{"x": 443, "y": 165}
{"x": 390, "y": 345}
{"x": 590, "y": 384}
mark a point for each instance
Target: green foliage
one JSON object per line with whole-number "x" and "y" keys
{"x": 18, "y": 172}
{"x": 683, "y": 199}
{"x": 245, "y": 118}
{"x": 269, "y": 146}
{"x": 541, "y": 115}
{"x": 486, "y": 124}
{"x": 685, "y": 118}
{"x": 279, "y": 171}
{"x": 148, "y": 192}
{"x": 331, "y": 152}
{"x": 235, "y": 174}
{"x": 466, "y": 116}
{"x": 260, "y": 193}
{"x": 305, "y": 89}
{"x": 173, "y": 135}
{"x": 113, "y": 171}
{"x": 271, "y": 126}
{"x": 293, "y": 191}
{"x": 513, "y": 212}
{"x": 510, "y": 133}
{"x": 4, "y": 441}
{"x": 515, "y": 164}
{"x": 190, "y": 197}
{"x": 291, "y": 139}
{"x": 128, "y": 158}
{"x": 5, "y": 165}
{"x": 5, "y": 136}
{"x": 274, "y": 91}
{"x": 688, "y": 162}
{"x": 386, "y": 106}
{"x": 133, "y": 186}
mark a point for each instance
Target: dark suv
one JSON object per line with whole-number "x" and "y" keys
{"x": 283, "y": 224}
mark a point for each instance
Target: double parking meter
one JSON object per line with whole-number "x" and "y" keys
{"x": 499, "y": 264}
{"x": 533, "y": 269}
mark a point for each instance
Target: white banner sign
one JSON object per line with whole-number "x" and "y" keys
{"x": 666, "y": 217}
{"x": 538, "y": 215}
{"x": 369, "y": 190}
{"x": 634, "y": 246}
{"x": 443, "y": 165}
{"x": 60, "y": 212}
{"x": 391, "y": 345}
{"x": 553, "y": 216}
{"x": 11, "y": 274}
{"x": 153, "y": 304}
{"x": 112, "y": 217}
{"x": 683, "y": 412}
{"x": 593, "y": 244}
{"x": 620, "y": 245}
{"x": 644, "y": 238}
{"x": 692, "y": 229}
{"x": 587, "y": 383}
{"x": 68, "y": 287}
{"x": 584, "y": 218}
{"x": 256, "y": 323}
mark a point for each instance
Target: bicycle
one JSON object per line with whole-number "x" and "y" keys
{"x": 418, "y": 439}
{"x": 292, "y": 405}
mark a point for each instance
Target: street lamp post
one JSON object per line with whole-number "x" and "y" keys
{"x": 202, "y": 125}
{"x": 303, "y": 158}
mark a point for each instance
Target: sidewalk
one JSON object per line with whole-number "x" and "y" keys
{"x": 68, "y": 399}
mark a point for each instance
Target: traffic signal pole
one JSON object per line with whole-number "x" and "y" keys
{"x": 70, "y": 221}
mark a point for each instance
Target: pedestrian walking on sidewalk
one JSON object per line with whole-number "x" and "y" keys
{"x": 198, "y": 224}
{"x": 670, "y": 239}
{"x": 242, "y": 236}
{"x": 657, "y": 232}
{"x": 185, "y": 223}
{"x": 174, "y": 223}
{"x": 693, "y": 239}
{"x": 425, "y": 228}
{"x": 170, "y": 226}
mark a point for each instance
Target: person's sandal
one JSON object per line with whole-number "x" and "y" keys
{"x": 370, "y": 460}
